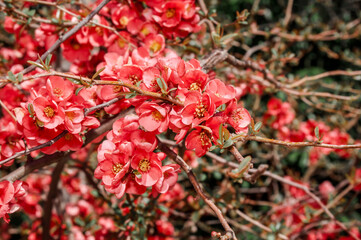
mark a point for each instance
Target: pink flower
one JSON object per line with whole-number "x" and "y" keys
{"x": 148, "y": 166}
{"x": 9, "y": 194}
{"x": 198, "y": 108}
{"x": 73, "y": 118}
{"x": 238, "y": 117}
{"x": 220, "y": 92}
{"x": 155, "y": 44}
{"x": 200, "y": 139}
{"x": 152, "y": 117}
{"x": 170, "y": 14}
{"x": 60, "y": 90}
{"x": 48, "y": 112}
{"x": 168, "y": 179}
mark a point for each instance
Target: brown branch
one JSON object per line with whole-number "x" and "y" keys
{"x": 258, "y": 224}
{"x": 294, "y": 144}
{"x": 7, "y": 110}
{"x": 324, "y": 75}
{"x": 192, "y": 178}
{"x": 288, "y": 13}
{"x": 48, "y": 205}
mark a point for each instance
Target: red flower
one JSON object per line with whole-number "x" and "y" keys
{"x": 170, "y": 14}
{"x": 73, "y": 118}
{"x": 238, "y": 117}
{"x": 168, "y": 179}
{"x": 198, "y": 108}
{"x": 60, "y": 90}
{"x": 220, "y": 92}
{"x": 200, "y": 139}
{"x": 148, "y": 166}
{"x": 152, "y": 117}
{"x": 155, "y": 44}
{"x": 48, "y": 112}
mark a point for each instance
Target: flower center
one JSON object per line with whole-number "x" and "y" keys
{"x": 195, "y": 86}
{"x": 117, "y": 168}
{"x": 157, "y": 116}
{"x": 144, "y": 165}
{"x": 70, "y": 115}
{"x": 170, "y": 13}
{"x": 133, "y": 79}
{"x": 57, "y": 91}
{"x": 145, "y": 31}
{"x": 205, "y": 140}
{"x": 155, "y": 47}
{"x": 123, "y": 21}
{"x": 200, "y": 110}
{"x": 236, "y": 116}
{"x": 99, "y": 31}
{"x": 49, "y": 111}
{"x": 121, "y": 43}
{"x": 117, "y": 88}
{"x": 68, "y": 137}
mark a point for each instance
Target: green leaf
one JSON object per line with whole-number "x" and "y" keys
{"x": 78, "y": 90}
{"x": 228, "y": 143}
{"x": 163, "y": 208}
{"x": 130, "y": 95}
{"x": 20, "y": 77}
{"x": 258, "y": 126}
{"x": 229, "y": 36}
{"x": 31, "y": 109}
{"x": 74, "y": 81}
{"x": 31, "y": 12}
{"x": 220, "y": 132}
{"x": 97, "y": 73}
{"x": 48, "y": 59}
{"x": 12, "y": 76}
{"x": 36, "y": 64}
{"x": 317, "y": 132}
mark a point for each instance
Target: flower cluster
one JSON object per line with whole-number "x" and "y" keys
{"x": 10, "y": 194}
{"x": 52, "y": 109}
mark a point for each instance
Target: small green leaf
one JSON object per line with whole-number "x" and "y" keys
{"x": 163, "y": 208}
{"x": 317, "y": 132}
{"x": 228, "y": 143}
{"x": 130, "y": 95}
{"x": 36, "y": 64}
{"x": 212, "y": 148}
{"x": 20, "y": 77}
{"x": 12, "y": 76}
{"x": 31, "y": 109}
{"x": 258, "y": 126}
{"x": 31, "y": 12}
{"x": 78, "y": 90}
{"x": 74, "y": 81}
{"x": 220, "y": 132}
{"x": 97, "y": 73}
{"x": 48, "y": 59}
{"x": 229, "y": 36}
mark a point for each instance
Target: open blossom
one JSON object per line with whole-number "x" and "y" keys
{"x": 198, "y": 108}
{"x": 48, "y": 112}
{"x": 153, "y": 117}
{"x": 149, "y": 167}
{"x": 200, "y": 139}
{"x": 9, "y": 195}
{"x": 238, "y": 117}
{"x": 169, "y": 178}
{"x": 60, "y": 90}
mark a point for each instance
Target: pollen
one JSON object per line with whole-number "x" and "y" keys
{"x": 121, "y": 43}
{"x": 117, "y": 168}
{"x": 205, "y": 140}
{"x": 68, "y": 137}
{"x": 70, "y": 115}
{"x": 49, "y": 111}
{"x": 133, "y": 79}
{"x": 123, "y": 21}
{"x": 57, "y": 92}
{"x": 99, "y": 31}
{"x": 157, "y": 116}
{"x": 117, "y": 88}
{"x": 195, "y": 86}
{"x": 236, "y": 116}
{"x": 155, "y": 47}
{"x": 145, "y": 31}
{"x": 144, "y": 165}
{"x": 200, "y": 110}
{"x": 170, "y": 13}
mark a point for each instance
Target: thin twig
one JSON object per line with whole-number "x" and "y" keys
{"x": 192, "y": 178}
{"x": 7, "y": 110}
{"x": 294, "y": 144}
{"x": 67, "y": 35}
{"x": 258, "y": 224}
